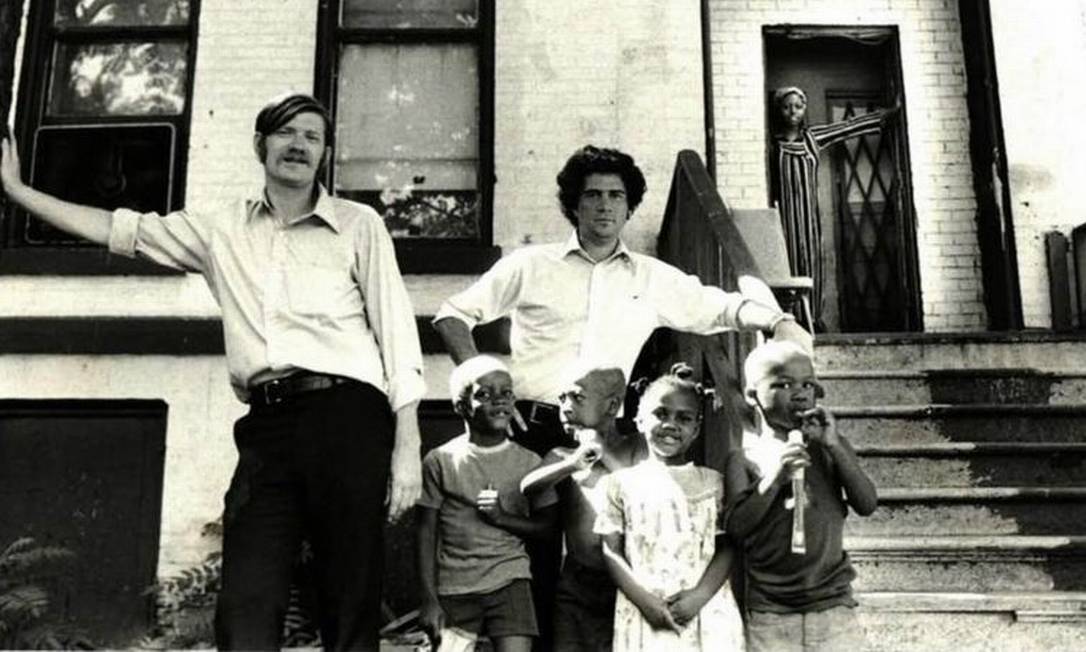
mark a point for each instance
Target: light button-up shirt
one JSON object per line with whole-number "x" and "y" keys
{"x": 321, "y": 292}
{"x": 566, "y": 309}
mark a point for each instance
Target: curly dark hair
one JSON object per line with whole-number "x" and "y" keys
{"x": 598, "y": 160}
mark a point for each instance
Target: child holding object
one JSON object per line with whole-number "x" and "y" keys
{"x": 662, "y": 538}
{"x": 799, "y": 597}
{"x": 585, "y": 597}
{"x": 473, "y": 565}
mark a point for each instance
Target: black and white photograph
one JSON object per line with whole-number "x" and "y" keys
{"x": 543, "y": 325}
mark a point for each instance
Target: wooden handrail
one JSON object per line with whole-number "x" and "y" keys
{"x": 695, "y": 204}
{"x": 698, "y": 236}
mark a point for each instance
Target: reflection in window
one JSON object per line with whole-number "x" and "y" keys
{"x": 408, "y": 135}
{"x": 121, "y": 12}
{"x": 403, "y": 14}
{"x": 105, "y": 114}
{"x": 119, "y": 79}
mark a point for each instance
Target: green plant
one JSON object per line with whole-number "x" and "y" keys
{"x": 29, "y": 573}
{"x": 185, "y": 606}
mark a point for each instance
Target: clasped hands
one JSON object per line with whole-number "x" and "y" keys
{"x": 676, "y": 611}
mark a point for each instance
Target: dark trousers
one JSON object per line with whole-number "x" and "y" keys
{"x": 544, "y": 433}
{"x": 316, "y": 466}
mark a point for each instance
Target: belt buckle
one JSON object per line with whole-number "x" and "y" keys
{"x": 538, "y": 411}
{"x": 272, "y": 395}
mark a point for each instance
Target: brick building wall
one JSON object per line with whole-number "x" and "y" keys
{"x": 247, "y": 51}
{"x": 935, "y": 87}
{"x": 623, "y": 74}
{"x": 1039, "y": 58}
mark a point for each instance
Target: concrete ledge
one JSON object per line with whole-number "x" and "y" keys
{"x": 924, "y": 546}
{"x": 979, "y": 494}
{"x": 995, "y": 410}
{"x": 1033, "y": 603}
{"x": 971, "y": 449}
{"x": 895, "y": 339}
{"x": 171, "y": 336}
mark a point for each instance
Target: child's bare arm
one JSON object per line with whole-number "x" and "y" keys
{"x": 860, "y": 491}
{"x": 652, "y": 607}
{"x": 556, "y": 466}
{"x": 539, "y": 523}
{"x": 431, "y": 615}
{"x": 685, "y": 605}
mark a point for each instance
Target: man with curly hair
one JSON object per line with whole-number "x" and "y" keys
{"x": 590, "y": 297}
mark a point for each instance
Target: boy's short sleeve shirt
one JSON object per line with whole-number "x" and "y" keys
{"x": 474, "y": 556}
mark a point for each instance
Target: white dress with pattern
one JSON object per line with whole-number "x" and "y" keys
{"x": 669, "y": 518}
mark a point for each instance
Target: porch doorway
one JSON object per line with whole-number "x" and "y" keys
{"x": 868, "y": 247}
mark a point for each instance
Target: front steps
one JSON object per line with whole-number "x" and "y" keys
{"x": 978, "y": 446}
{"x": 1018, "y": 621}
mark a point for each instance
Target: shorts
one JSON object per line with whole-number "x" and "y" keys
{"x": 508, "y": 611}
{"x": 835, "y": 629}
{"x": 584, "y": 612}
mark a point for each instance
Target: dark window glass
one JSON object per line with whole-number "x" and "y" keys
{"x": 403, "y": 14}
{"x": 120, "y": 13}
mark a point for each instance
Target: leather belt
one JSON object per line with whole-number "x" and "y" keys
{"x": 538, "y": 412}
{"x": 276, "y": 391}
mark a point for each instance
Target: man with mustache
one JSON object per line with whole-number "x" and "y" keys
{"x": 321, "y": 343}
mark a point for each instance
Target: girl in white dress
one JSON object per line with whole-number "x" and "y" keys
{"x": 662, "y": 537}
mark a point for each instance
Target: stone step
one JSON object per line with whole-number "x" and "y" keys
{"x": 1041, "y": 350}
{"x": 904, "y": 511}
{"x": 983, "y": 422}
{"x": 969, "y": 563}
{"x": 975, "y": 464}
{"x": 953, "y": 386}
{"x": 1010, "y": 621}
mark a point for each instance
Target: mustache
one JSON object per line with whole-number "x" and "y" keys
{"x": 298, "y": 156}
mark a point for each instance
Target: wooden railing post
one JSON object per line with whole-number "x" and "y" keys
{"x": 699, "y": 237}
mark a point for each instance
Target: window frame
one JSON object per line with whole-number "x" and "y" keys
{"x": 39, "y": 47}
{"x": 419, "y": 255}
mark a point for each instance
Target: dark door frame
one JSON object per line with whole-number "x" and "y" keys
{"x": 995, "y": 223}
{"x": 889, "y": 37}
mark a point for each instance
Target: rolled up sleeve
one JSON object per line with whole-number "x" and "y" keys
{"x": 390, "y": 314}
{"x": 179, "y": 240}
{"x": 685, "y": 304}
{"x": 491, "y": 297}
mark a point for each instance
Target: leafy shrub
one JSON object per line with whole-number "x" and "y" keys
{"x": 185, "y": 606}
{"x": 29, "y": 573}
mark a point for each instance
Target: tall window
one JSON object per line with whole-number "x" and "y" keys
{"x": 410, "y": 82}
{"x": 104, "y": 107}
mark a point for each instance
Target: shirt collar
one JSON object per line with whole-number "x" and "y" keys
{"x": 324, "y": 209}
{"x": 573, "y": 246}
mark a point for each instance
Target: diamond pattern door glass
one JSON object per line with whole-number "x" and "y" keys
{"x": 867, "y": 201}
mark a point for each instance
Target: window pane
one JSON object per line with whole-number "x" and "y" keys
{"x": 104, "y": 166}
{"x": 410, "y": 13}
{"x": 407, "y": 135}
{"x": 121, "y": 12}
{"x": 118, "y": 79}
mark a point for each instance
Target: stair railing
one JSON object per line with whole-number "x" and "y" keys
{"x": 699, "y": 237}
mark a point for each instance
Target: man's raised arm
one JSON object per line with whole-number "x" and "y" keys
{"x": 87, "y": 222}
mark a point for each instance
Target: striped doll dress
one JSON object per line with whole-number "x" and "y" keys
{"x": 797, "y": 192}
